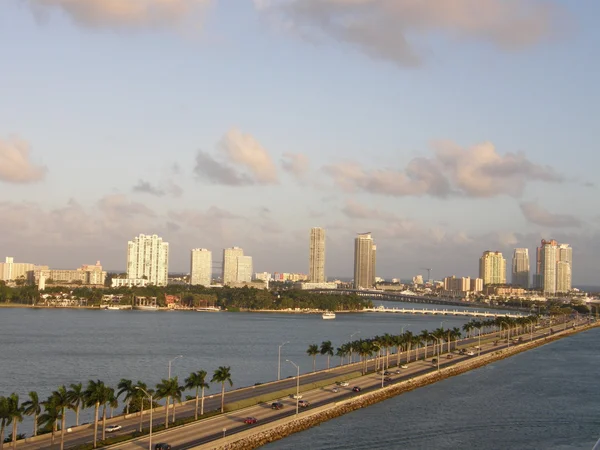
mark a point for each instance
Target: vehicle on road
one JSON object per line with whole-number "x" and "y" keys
{"x": 277, "y": 405}
{"x": 387, "y": 372}
{"x": 343, "y": 383}
{"x": 335, "y": 389}
{"x": 449, "y": 356}
{"x": 295, "y": 396}
{"x": 303, "y": 403}
{"x": 403, "y": 366}
{"x": 356, "y": 389}
{"x": 387, "y": 379}
{"x": 434, "y": 361}
{"x": 162, "y": 446}
{"x": 250, "y": 420}
{"x": 470, "y": 353}
{"x": 113, "y": 428}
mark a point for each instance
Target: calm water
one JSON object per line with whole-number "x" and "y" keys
{"x": 546, "y": 398}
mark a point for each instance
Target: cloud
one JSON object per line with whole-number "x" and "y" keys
{"x": 478, "y": 171}
{"x": 355, "y": 210}
{"x": 240, "y": 161}
{"x": 388, "y": 29}
{"x": 296, "y": 163}
{"x": 117, "y": 206}
{"x": 125, "y": 13}
{"x": 145, "y": 187}
{"x": 536, "y": 214}
{"x": 15, "y": 166}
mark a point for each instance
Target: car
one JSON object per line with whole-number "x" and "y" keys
{"x": 344, "y": 383}
{"x": 470, "y": 353}
{"x": 356, "y": 389}
{"x": 250, "y": 420}
{"x": 387, "y": 379}
{"x": 295, "y": 396}
{"x": 403, "y": 366}
{"x": 434, "y": 361}
{"x": 303, "y": 403}
{"x": 335, "y": 389}
{"x": 113, "y": 428}
{"x": 277, "y": 405}
{"x": 387, "y": 372}
{"x": 449, "y": 356}
{"x": 162, "y": 446}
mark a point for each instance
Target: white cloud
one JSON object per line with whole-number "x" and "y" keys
{"x": 538, "y": 215}
{"x": 296, "y": 163}
{"x": 15, "y": 165}
{"x": 389, "y": 29}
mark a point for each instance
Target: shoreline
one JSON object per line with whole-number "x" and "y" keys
{"x": 285, "y": 427}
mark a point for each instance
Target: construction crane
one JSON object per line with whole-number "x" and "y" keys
{"x": 428, "y": 272}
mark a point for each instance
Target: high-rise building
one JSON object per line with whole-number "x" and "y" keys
{"x": 520, "y": 268}
{"x": 244, "y": 269}
{"x": 364, "y": 261}
{"x": 492, "y": 268}
{"x": 316, "y": 259}
{"x": 148, "y": 259}
{"x": 548, "y": 258}
{"x": 12, "y": 271}
{"x": 201, "y": 267}
{"x": 230, "y": 264}
{"x": 564, "y": 267}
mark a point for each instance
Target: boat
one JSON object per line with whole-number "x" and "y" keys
{"x": 119, "y": 307}
{"x": 328, "y": 315}
{"x": 146, "y": 307}
{"x": 208, "y": 309}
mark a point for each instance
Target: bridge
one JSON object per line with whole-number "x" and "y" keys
{"x": 439, "y": 312}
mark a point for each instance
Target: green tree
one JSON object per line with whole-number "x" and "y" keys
{"x": 167, "y": 389}
{"x": 94, "y": 396}
{"x": 49, "y": 419}
{"x": 313, "y": 350}
{"x": 126, "y": 387}
{"x": 109, "y": 399}
{"x": 77, "y": 399}
{"x": 222, "y": 375}
{"x": 60, "y": 399}
{"x": 197, "y": 380}
{"x": 327, "y": 349}
{"x": 33, "y": 407}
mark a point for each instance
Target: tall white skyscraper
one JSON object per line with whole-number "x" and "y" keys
{"x": 316, "y": 259}
{"x": 548, "y": 259}
{"x": 230, "y": 264}
{"x": 201, "y": 267}
{"x": 148, "y": 258}
{"x": 520, "y": 268}
{"x": 364, "y": 261}
{"x": 492, "y": 268}
{"x": 244, "y": 269}
{"x": 564, "y": 267}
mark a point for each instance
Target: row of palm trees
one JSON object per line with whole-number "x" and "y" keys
{"x": 499, "y": 323}
{"x": 52, "y": 411}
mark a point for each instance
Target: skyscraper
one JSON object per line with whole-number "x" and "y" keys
{"x": 564, "y": 267}
{"x": 244, "y": 269}
{"x": 316, "y": 259}
{"x": 548, "y": 258}
{"x": 230, "y": 264}
{"x": 492, "y": 268}
{"x": 201, "y": 267}
{"x": 520, "y": 268}
{"x": 364, "y": 261}
{"x": 148, "y": 258}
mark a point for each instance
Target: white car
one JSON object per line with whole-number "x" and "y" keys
{"x": 404, "y": 366}
{"x": 113, "y": 428}
{"x": 344, "y": 384}
{"x": 297, "y": 396}
{"x": 470, "y": 353}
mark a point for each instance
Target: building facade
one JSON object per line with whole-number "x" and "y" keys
{"x": 148, "y": 258}
{"x": 244, "y": 269}
{"x": 12, "y": 271}
{"x": 316, "y": 258}
{"x": 201, "y": 267}
{"x": 492, "y": 268}
{"x": 548, "y": 251}
{"x": 230, "y": 264}
{"x": 364, "y": 261}
{"x": 87, "y": 274}
{"x": 520, "y": 268}
{"x": 564, "y": 267}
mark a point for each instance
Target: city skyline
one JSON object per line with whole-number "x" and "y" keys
{"x": 444, "y": 131}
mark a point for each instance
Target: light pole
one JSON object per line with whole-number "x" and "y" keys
{"x": 438, "y": 349}
{"x": 170, "y": 361}
{"x": 351, "y": 352}
{"x": 151, "y": 407}
{"x": 279, "y": 361}
{"x": 297, "y": 383}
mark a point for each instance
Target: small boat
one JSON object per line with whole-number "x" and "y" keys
{"x": 146, "y": 307}
{"x": 328, "y": 315}
{"x": 208, "y": 309}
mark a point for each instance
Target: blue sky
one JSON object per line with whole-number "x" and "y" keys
{"x": 445, "y": 128}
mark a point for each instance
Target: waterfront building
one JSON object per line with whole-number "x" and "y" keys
{"x": 294, "y": 277}
{"x": 263, "y": 276}
{"x": 548, "y": 252}
{"x": 12, "y": 271}
{"x": 520, "y": 268}
{"x": 492, "y": 268}
{"x": 476, "y": 285}
{"x": 148, "y": 259}
{"x": 201, "y": 267}
{"x": 309, "y": 285}
{"x": 564, "y": 267}
{"x": 87, "y": 274}
{"x": 230, "y": 264}
{"x": 462, "y": 284}
{"x": 244, "y": 269}
{"x": 316, "y": 259}
{"x": 364, "y": 261}
{"x": 129, "y": 282}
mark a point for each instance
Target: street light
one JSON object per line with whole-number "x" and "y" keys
{"x": 279, "y": 360}
{"x": 151, "y": 407}
{"x": 297, "y": 383}
{"x": 351, "y": 352}
{"x": 438, "y": 349}
{"x": 170, "y": 361}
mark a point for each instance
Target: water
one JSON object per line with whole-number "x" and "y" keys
{"x": 546, "y": 398}
{"x": 45, "y": 348}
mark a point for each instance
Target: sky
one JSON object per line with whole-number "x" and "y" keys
{"x": 446, "y": 128}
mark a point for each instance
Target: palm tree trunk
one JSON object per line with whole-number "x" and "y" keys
{"x": 104, "y": 422}
{"x": 196, "y": 412}
{"x": 202, "y": 404}
{"x": 127, "y": 407}
{"x": 62, "y": 429}
{"x": 14, "y": 434}
{"x": 408, "y": 352}
{"x": 97, "y": 407}
{"x": 2, "y": 426}
{"x": 167, "y": 413}
{"x": 142, "y": 414}
{"x": 223, "y": 397}
{"x": 77, "y": 415}
{"x": 327, "y": 362}
{"x": 35, "y": 425}
{"x": 173, "y": 419}
{"x": 54, "y": 426}
{"x": 314, "y": 363}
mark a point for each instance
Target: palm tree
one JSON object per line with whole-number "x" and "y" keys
{"x": 94, "y": 395}
{"x": 364, "y": 350}
{"x": 77, "y": 399}
{"x": 108, "y": 397}
{"x": 341, "y": 353}
{"x": 14, "y": 412}
{"x": 113, "y": 402}
{"x": 167, "y": 389}
{"x": 33, "y": 407}
{"x": 313, "y": 350}
{"x": 126, "y": 387}
{"x": 139, "y": 394}
{"x": 425, "y": 337}
{"x": 221, "y": 375}
{"x": 416, "y": 341}
{"x": 197, "y": 380}
{"x": 49, "y": 419}
{"x": 60, "y": 399}
{"x": 4, "y": 417}
{"x": 327, "y": 349}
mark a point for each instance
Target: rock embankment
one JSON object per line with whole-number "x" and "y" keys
{"x": 286, "y": 427}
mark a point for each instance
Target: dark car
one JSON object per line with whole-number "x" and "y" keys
{"x": 162, "y": 446}
{"x": 303, "y": 403}
{"x": 356, "y": 389}
{"x": 434, "y": 361}
{"x": 387, "y": 379}
{"x": 277, "y": 405}
{"x": 387, "y": 372}
{"x": 250, "y": 420}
